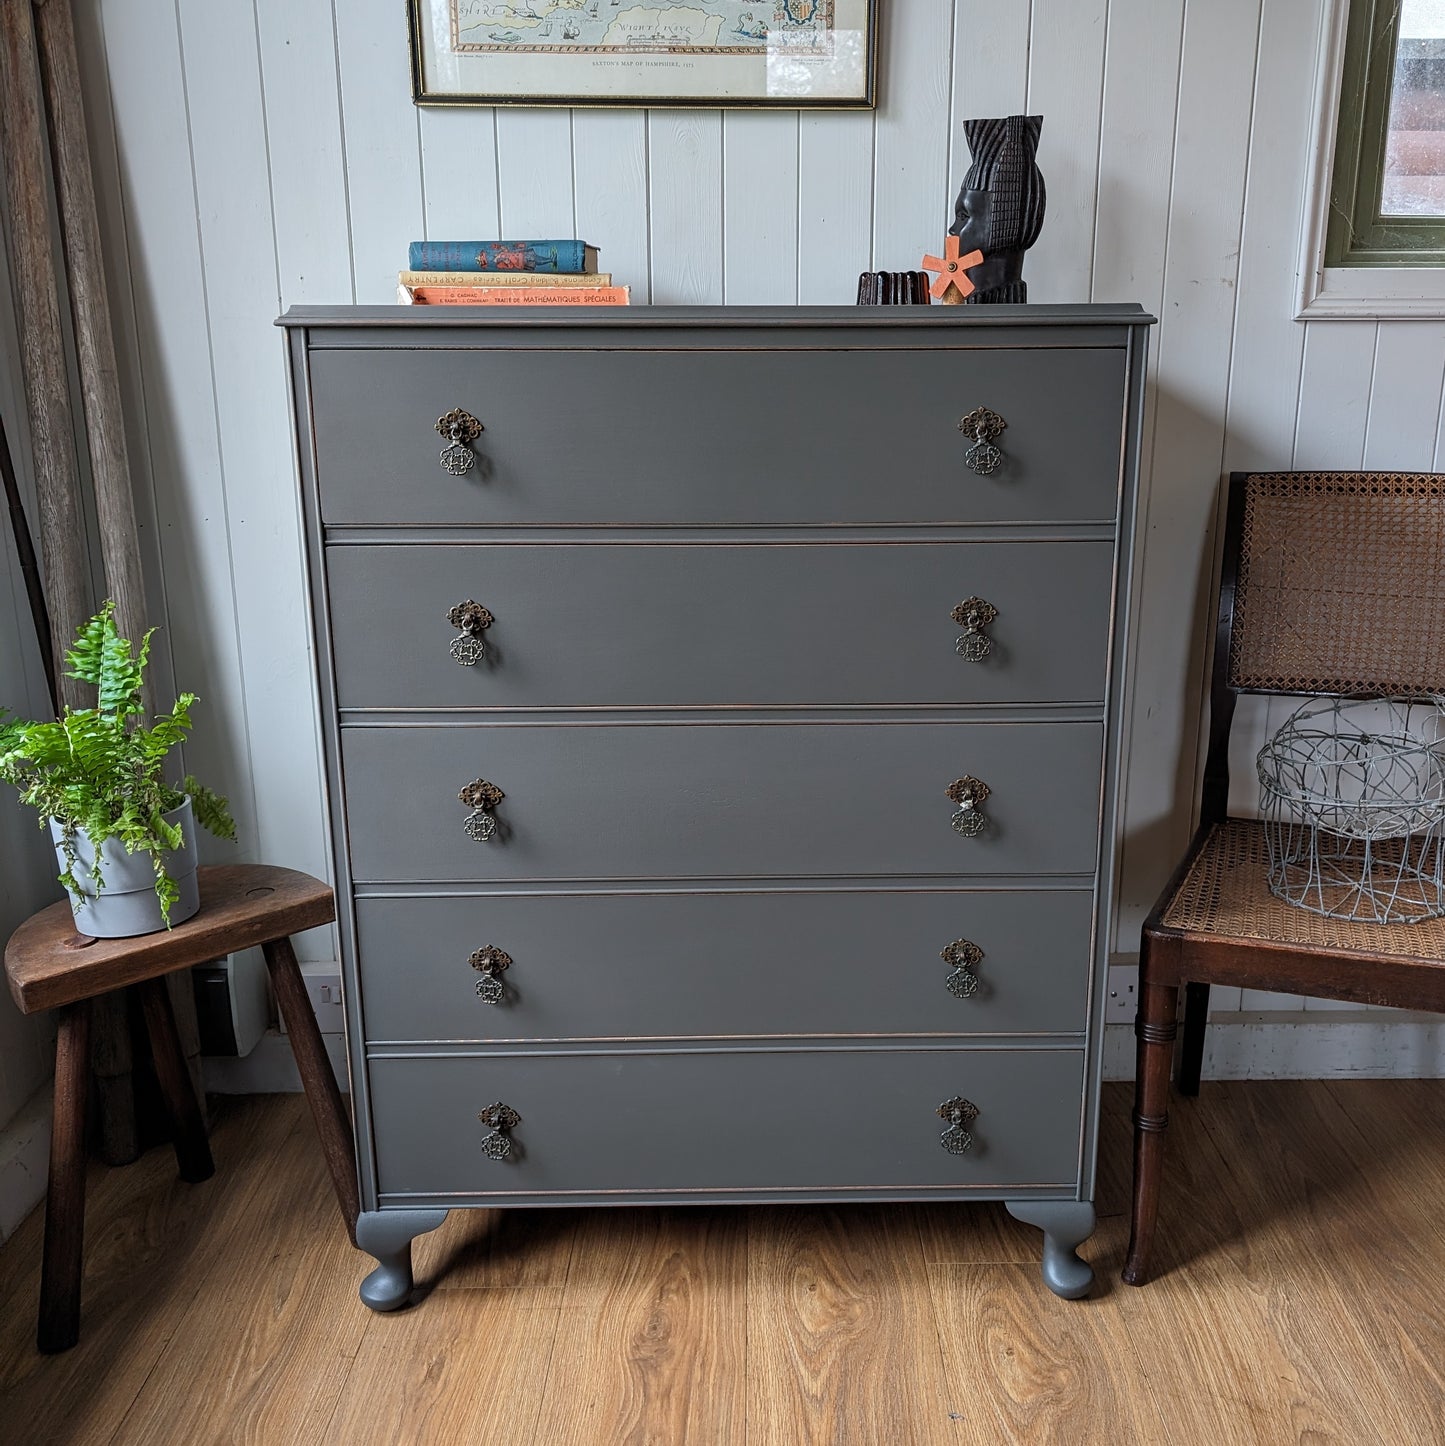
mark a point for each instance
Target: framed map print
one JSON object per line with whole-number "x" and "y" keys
{"x": 787, "y": 53}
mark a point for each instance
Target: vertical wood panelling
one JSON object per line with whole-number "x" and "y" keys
{"x": 254, "y": 478}
{"x": 150, "y": 100}
{"x": 835, "y": 206}
{"x": 990, "y": 71}
{"x": 686, "y": 205}
{"x": 534, "y": 174}
{"x": 1405, "y": 395}
{"x": 1268, "y": 342}
{"x": 307, "y": 156}
{"x": 383, "y": 173}
{"x": 459, "y": 174}
{"x": 760, "y": 220}
{"x": 1066, "y": 62}
{"x": 1136, "y": 153}
{"x": 609, "y": 159}
{"x": 1194, "y": 343}
{"x": 912, "y": 206}
{"x": 1334, "y": 400}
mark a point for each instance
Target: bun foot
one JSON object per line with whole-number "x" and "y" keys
{"x": 388, "y": 1234}
{"x": 1066, "y": 1225}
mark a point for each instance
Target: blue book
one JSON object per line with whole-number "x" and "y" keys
{"x": 575, "y": 258}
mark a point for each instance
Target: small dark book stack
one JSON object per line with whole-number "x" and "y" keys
{"x": 894, "y": 288}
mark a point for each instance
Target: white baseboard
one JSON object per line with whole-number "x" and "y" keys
{"x": 1336, "y": 1045}
{"x": 24, "y": 1160}
{"x": 269, "y": 1069}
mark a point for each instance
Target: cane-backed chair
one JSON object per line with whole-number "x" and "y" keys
{"x": 1333, "y": 584}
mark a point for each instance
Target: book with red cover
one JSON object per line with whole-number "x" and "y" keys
{"x": 516, "y": 295}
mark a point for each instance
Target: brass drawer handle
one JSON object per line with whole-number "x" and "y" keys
{"x": 472, "y": 620}
{"x": 460, "y": 429}
{"x": 970, "y": 794}
{"x": 974, "y": 616}
{"x": 960, "y": 1113}
{"x": 501, "y": 1119}
{"x": 481, "y": 797}
{"x": 963, "y": 957}
{"x": 490, "y": 962}
{"x": 983, "y": 426}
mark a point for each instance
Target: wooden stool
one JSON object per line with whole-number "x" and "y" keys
{"x": 50, "y": 966}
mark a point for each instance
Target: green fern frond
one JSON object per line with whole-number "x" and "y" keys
{"x": 100, "y": 769}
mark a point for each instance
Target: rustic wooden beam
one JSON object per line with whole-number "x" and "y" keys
{"x": 100, "y": 385}
{"x": 60, "y": 522}
{"x": 60, "y": 519}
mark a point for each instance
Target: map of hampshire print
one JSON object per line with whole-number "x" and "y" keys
{"x": 601, "y": 27}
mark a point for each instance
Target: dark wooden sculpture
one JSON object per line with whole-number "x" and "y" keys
{"x": 893, "y": 288}
{"x": 1000, "y": 207}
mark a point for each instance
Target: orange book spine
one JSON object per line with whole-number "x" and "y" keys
{"x": 520, "y": 295}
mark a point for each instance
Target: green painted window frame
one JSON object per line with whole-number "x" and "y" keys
{"x": 1357, "y": 234}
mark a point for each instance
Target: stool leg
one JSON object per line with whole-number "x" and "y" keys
{"x": 188, "y": 1129}
{"x": 1155, "y": 1028}
{"x": 60, "y": 1268}
{"x": 333, "y": 1124}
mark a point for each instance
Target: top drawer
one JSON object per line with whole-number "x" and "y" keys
{"x": 717, "y": 438}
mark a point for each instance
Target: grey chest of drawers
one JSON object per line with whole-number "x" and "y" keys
{"x": 766, "y": 595}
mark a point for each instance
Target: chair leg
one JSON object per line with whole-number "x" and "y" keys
{"x": 1155, "y": 1028}
{"x": 188, "y": 1128}
{"x": 60, "y": 1268}
{"x": 333, "y": 1124}
{"x": 1191, "y": 1047}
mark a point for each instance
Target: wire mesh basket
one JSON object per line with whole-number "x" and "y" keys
{"x": 1352, "y": 794}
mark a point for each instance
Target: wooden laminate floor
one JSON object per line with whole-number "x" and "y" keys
{"x": 1302, "y": 1255}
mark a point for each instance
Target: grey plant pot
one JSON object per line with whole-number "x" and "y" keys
{"x": 127, "y": 904}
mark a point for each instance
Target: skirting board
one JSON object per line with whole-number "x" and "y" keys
{"x": 1241, "y": 1046}
{"x": 24, "y": 1160}
{"x": 1337, "y": 1045}
{"x": 270, "y": 1068}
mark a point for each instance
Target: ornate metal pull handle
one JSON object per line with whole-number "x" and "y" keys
{"x": 970, "y": 794}
{"x": 481, "y": 797}
{"x": 460, "y": 429}
{"x": 963, "y": 957}
{"x": 500, "y": 1118}
{"x": 960, "y": 1113}
{"x": 490, "y": 962}
{"x": 473, "y": 620}
{"x": 983, "y": 426}
{"x": 974, "y": 615}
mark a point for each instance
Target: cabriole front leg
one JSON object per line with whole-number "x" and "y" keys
{"x": 1066, "y": 1225}
{"x": 388, "y": 1234}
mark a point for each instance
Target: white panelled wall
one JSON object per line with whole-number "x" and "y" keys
{"x": 252, "y": 156}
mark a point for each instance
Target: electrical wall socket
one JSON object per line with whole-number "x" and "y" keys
{"x": 323, "y": 988}
{"x": 1122, "y": 1002}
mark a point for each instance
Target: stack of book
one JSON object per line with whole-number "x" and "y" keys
{"x": 506, "y": 273}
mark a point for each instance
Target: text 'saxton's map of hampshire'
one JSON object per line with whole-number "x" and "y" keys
{"x": 702, "y": 27}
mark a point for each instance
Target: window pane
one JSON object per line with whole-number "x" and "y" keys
{"x": 1415, "y": 147}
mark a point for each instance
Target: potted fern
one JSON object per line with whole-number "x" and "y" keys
{"x": 125, "y": 838}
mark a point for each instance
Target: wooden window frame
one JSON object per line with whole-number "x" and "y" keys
{"x": 1353, "y": 266}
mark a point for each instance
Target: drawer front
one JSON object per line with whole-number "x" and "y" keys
{"x": 717, "y": 437}
{"x": 618, "y": 966}
{"x": 718, "y": 800}
{"x": 605, "y": 625}
{"x": 742, "y": 1120}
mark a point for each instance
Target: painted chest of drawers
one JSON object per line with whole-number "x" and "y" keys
{"x": 799, "y": 679}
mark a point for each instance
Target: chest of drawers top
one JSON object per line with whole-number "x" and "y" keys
{"x": 716, "y": 417}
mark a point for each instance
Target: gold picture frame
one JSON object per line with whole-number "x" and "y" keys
{"x": 780, "y": 54}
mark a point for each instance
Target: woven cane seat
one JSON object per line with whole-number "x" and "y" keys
{"x": 1225, "y": 893}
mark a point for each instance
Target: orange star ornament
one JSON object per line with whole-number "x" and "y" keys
{"x": 953, "y": 271}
